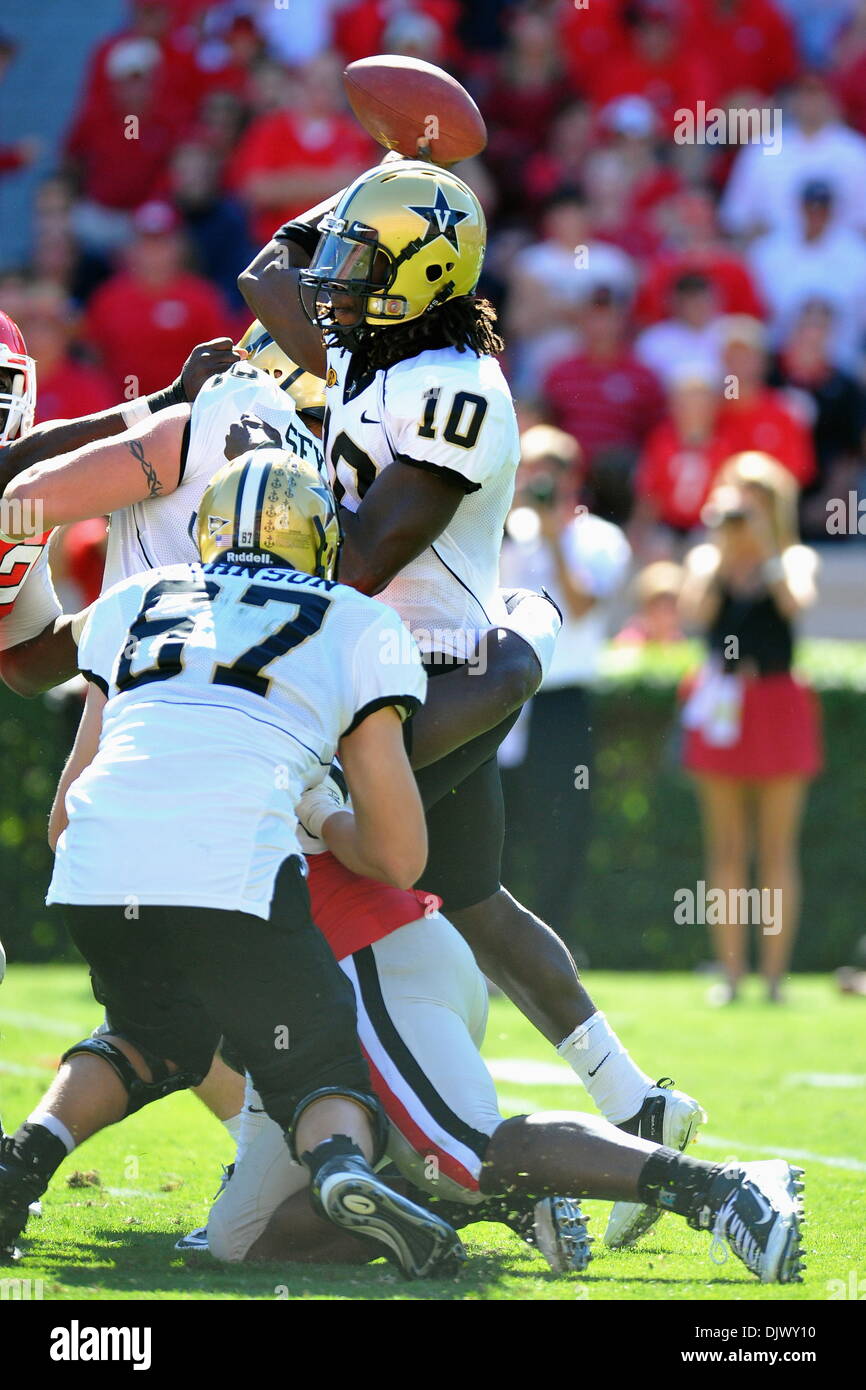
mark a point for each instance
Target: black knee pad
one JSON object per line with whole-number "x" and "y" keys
{"x": 369, "y": 1102}
{"x": 140, "y": 1092}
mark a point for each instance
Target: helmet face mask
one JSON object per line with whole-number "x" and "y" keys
{"x": 403, "y": 239}
{"x": 269, "y": 507}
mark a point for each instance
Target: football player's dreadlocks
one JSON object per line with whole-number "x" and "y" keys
{"x": 465, "y": 322}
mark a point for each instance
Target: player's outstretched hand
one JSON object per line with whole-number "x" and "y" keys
{"x": 207, "y": 360}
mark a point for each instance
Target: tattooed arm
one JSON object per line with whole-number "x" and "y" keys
{"x": 142, "y": 462}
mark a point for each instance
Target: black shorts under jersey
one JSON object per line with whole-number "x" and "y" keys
{"x": 462, "y": 796}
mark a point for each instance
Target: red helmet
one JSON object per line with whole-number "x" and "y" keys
{"x": 18, "y": 392}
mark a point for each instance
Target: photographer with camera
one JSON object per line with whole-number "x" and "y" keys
{"x": 581, "y": 560}
{"x": 752, "y": 733}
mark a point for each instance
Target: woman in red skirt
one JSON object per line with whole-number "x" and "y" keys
{"x": 752, "y": 728}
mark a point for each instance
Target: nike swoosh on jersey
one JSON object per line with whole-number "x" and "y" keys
{"x": 366, "y": 421}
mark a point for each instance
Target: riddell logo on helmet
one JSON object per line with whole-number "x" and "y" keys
{"x": 248, "y": 557}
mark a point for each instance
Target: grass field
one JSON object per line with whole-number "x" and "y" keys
{"x": 786, "y": 1080}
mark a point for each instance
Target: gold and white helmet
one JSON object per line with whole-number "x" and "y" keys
{"x": 404, "y": 237}
{"x": 305, "y": 389}
{"x": 270, "y": 507}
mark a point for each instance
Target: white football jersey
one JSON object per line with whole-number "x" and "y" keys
{"x": 228, "y": 692}
{"x": 448, "y": 411}
{"x": 28, "y": 602}
{"x": 161, "y": 530}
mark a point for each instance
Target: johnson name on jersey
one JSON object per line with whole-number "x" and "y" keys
{"x": 161, "y": 530}
{"x": 451, "y": 412}
{"x": 232, "y": 686}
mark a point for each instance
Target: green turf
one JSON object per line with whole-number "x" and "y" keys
{"x": 756, "y": 1068}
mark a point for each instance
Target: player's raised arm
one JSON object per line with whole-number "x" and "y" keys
{"x": 271, "y": 289}
{"x": 54, "y": 437}
{"x": 102, "y": 477}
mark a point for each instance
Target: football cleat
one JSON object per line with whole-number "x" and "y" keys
{"x": 348, "y": 1193}
{"x": 756, "y": 1210}
{"x": 18, "y": 1189}
{"x": 666, "y": 1117}
{"x": 554, "y": 1226}
{"x": 194, "y": 1243}
{"x": 559, "y": 1233}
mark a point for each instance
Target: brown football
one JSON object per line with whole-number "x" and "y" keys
{"x": 400, "y": 101}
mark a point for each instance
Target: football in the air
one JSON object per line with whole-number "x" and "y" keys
{"x": 400, "y": 101}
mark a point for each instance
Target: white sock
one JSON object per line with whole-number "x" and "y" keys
{"x": 615, "y": 1083}
{"x": 536, "y": 620}
{"x": 54, "y": 1126}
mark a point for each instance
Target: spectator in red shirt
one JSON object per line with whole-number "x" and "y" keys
{"x": 560, "y": 163}
{"x": 657, "y": 63}
{"x": 681, "y": 458}
{"x": 67, "y": 387}
{"x": 755, "y": 417}
{"x": 290, "y": 160}
{"x": 593, "y": 36}
{"x": 119, "y": 147}
{"x": 693, "y": 247}
{"x": 359, "y": 27}
{"x": 167, "y": 25}
{"x": 145, "y": 320}
{"x": 603, "y": 395}
{"x": 751, "y": 43}
{"x": 521, "y": 103}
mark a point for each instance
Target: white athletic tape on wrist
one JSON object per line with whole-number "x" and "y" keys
{"x": 317, "y": 804}
{"x": 135, "y": 411}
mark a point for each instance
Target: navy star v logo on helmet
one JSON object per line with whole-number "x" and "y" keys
{"x": 441, "y": 218}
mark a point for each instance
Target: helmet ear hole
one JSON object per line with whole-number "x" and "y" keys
{"x": 434, "y": 273}
{"x": 449, "y": 265}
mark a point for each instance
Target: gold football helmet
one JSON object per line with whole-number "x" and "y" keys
{"x": 270, "y": 507}
{"x": 404, "y": 238}
{"x": 306, "y": 390}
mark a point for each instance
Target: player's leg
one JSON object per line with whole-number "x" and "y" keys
{"x": 280, "y": 996}
{"x": 159, "y": 1041}
{"x": 526, "y": 958}
{"x": 755, "y": 1207}
{"x": 724, "y": 804}
{"x": 780, "y": 804}
{"x": 485, "y": 692}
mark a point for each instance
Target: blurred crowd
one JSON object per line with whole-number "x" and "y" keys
{"x": 667, "y": 302}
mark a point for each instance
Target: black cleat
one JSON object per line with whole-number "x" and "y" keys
{"x": 756, "y": 1210}
{"x": 18, "y": 1189}
{"x": 348, "y": 1193}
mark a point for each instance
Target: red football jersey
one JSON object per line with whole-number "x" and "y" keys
{"x": 352, "y": 912}
{"x": 17, "y": 558}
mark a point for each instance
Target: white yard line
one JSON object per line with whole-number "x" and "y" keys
{"x": 827, "y": 1080}
{"x": 15, "y": 1069}
{"x": 735, "y": 1146}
